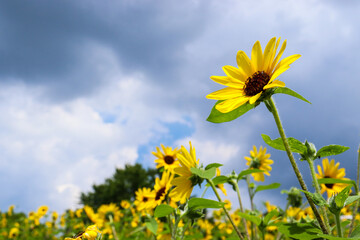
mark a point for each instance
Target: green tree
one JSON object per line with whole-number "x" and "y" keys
{"x": 121, "y": 186}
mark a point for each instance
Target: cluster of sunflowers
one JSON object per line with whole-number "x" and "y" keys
{"x": 168, "y": 211}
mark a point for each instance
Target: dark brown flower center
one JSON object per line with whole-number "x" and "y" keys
{"x": 145, "y": 199}
{"x": 160, "y": 193}
{"x": 329, "y": 185}
{"x": 256, "y": 83}
{"x": 169, "y": 159}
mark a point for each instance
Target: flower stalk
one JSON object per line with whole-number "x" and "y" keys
{"x": 226, "y": 212}
{"x": 270, "y": 102}
{"x": 357, "y": 202}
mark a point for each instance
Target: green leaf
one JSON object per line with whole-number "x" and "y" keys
{"x": 213, "y": 165}
{"x": 356, "y": 233}
{"x": 351, "y": 199}
{"x": 333, "y": 237}
{"x": 247, "y": 172}
{"x": 304, "y": 231}
{"x": 196, "y": 203}
{"x": 205, "y": 174}
{"x": 290, "y": 92}
{"x": 330, "y": 150}
{"x": 267, "y": 187}
{"x": 219, "y": 117}
{"x": 163, "y": 210}
{"x": 335, "y": 180}
{"x": 295, "y": 145}
{"x": 341, "y": 197}
{"x": 220, "y": 179}
{"x": 251, "y": 218}
{"x": 316, "y": 197}
{"x": 270, "y": 215}
{"x": 152, "y": 226}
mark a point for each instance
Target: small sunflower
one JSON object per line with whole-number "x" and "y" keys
{"x": 259, "y": 160}
{"x": 145, "y": 198}
{"x": 247, "y": 82}
{"x": 183, "y": 183}
{"x": 162, "y": 186}
{"x": 331, "y": 170}
{"x": 42, "y": 211}
{"x": 167, "y": 158}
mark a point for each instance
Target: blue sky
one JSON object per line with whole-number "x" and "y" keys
{"x": 87, "y": 86}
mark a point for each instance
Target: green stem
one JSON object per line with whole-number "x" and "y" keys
{"x": 251, "y": 196}
{"x": 357, "y": 202}
{"x": 226, "y": 212}
{"x": 202, "y": 195}
{"x": 235, "y": 184}
{"x": 113, "y": 227}
{"x": 293, "y": 163}
{"x": 184, "y": 230}
{"x": 317, "y": 188}
{"x": 338, "y": 224}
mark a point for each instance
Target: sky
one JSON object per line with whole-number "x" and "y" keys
{"x": 88, "y": 86}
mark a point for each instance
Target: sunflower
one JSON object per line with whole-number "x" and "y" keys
{"x": 247, "y": 82}
{"x": 183, "y": 183}
{"x": 107, "y": 210}
{"x": 145, "y": 198}
{"x": 42, "y": 211}
{"x": 331, "y": 170}
{"x": 167, "y": 158}
{"x": 259, "y": 160}
{"x": 162, "y": 186}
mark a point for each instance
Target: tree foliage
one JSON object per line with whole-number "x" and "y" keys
{"x": 121, "y": 186}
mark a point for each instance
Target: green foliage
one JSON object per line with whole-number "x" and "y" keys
{"x": 290, "y": 92}
{"x": 331, "y": 150}
{"x": 295, "y": 145}
{"x": 204, "y": 174}
{"x": 219, "y": 117}
{"x": 121, "y": 186}
{"x": 267, "y": 187}
{"x": 163, "y": 210}
{"x": 152, "y": 225}
{"x": 197, "y": 203}
{"x": 303, "y": 231}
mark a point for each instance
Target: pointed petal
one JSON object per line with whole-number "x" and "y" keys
{"x": 278, "y": 72}
{"x": 275, "y": 83}
{"x": 244, "y": 63}
{"x": 231, "y": 104}
{"x": 225, "y": 93}
{"x": 254, "y": 98}
{"x": 267, "y": 53}
{"x": 234, "y": 73}
{"x": 227, "y": 81}
{"x": 276, "y": 60}
{"x": 287, "y": 61}
{"x": 257, "y": 57}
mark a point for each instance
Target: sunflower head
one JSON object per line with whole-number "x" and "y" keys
{"x": 259, "y": 160}
{"x": 162, "y": 186}
{"x": 252, "y": 77}
{"x": 331, "y": 170}
{"x": 166, "y": 158}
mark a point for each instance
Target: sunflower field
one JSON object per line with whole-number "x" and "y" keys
{"x": 168, "y": 210}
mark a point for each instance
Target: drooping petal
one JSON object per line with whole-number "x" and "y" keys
{"x": 275, "y": 83}
{"x": 227, "y": 81}
{"x": 231, "y": 104}
{"x": 244, "y": 63}
{"x": 254, "y": 98}
{"x": 257, "y": 57}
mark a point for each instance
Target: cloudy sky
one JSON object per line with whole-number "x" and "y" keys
{"x": 87, "y": 86}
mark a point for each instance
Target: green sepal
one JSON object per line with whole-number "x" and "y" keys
{"x": 342, "y": 196}
{"x": 247, "y": 172}
{"x": 197, "y": 203}
{"x": 218, "y": 117}
{"x": 251, "y": 218}
{"x": 304, "y": 231}
{"x": 290, "y": 92}
{"x": 213, "y": 165}
{"x": 163, "y": 210}
{"x": 330, "y": 150}
{"x": 267, "y": 187}
{"x": 152, "y": 226}
{"x": 295, "y": 145}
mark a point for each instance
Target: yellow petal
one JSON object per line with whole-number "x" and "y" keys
{"x": 225, "y": 93}
{"x": 272, "y": 56}
{"x": 275, "y": 83}
{"x": 231, "y": 104}
{"x": 227, "y": 81}
{"x": 254, "y": 98}
{"x": 244, "y": 63}
{"x": 257, "y": 57}
{"x": 267, "y": 53}
{"x": 282, "y": 49}
{"x": 287, "y": 61}
{"x": 278, "y": 72}
{"x": 234, "y": 73}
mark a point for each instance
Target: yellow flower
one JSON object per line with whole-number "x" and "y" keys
{"x": 220, "y": 186}
{"x": 294, "y": 213}
{"x": 106, "y": 210}
{"x": 11, "y": 210}
{"x": 167, "y": 158}
{"x": 145, "y": 199}
{"x": 125, "y": 204}
{"x": 331, "y": 170}
{"x": 54, "y": 216}
{"x": 90, "y": 233}
{"x": 183, "y": 184}
{"x": 162, "y": 186}
{"x": 42, "y": 211}
{"x": 14, "y": 232}
{"x": 259, "y": 160}
{"x": 247, "y": 82}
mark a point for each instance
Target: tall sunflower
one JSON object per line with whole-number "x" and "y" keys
{"x": 144, "y": 199}
{"x": 183, "y": 183}
{"x": 166, "y": 158}
{"x": 259, "y": 160}
{"x": 162, "y": 186}
{"x": 331, "y": 170}
{"x": 247, "y": 82}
